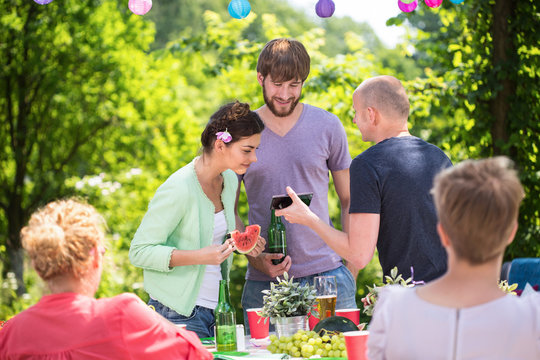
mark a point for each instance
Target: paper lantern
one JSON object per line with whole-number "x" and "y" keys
{"x": 239, "y": 9}
{"x": 43, "y": 2}
{"x": 457, "y": 1}
{"x": 407, "y": 1}
{"x": 140, "y": 7}
{"x": 433, "y": 3}
{"x": 325, "y": 8}
{"x": 407, "y": 7}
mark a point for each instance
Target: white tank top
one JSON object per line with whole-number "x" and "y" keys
{"x": 209, "y": 292}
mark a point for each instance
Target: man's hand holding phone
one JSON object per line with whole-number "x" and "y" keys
{"x": 298, "y": 212}
{"x": 283, "y": 201}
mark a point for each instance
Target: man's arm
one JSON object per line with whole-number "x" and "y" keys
{"x": 341, "y": 184}
{"x": 363, "y": 235}
{"x": 357, "y": 246}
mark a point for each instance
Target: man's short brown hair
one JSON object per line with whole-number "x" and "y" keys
{"x": 477, "y": 204}
{"x": 284, "y": 59}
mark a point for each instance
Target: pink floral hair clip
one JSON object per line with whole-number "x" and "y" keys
{"x": 224, "y": 136}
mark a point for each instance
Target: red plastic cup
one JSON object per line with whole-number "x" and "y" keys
{"x": 356, "y": 344}
{"x": 258, "y": 329}
{"x": 313, "y": 320}
{"x": 351, "y": 314}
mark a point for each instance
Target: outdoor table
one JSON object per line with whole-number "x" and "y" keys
{"x": 256, "y": 349}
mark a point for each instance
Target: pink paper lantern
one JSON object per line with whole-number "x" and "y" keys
{"x": 140, "y": 7}
{"x": 407, "y": 7}
{"x": 433, "y": 3}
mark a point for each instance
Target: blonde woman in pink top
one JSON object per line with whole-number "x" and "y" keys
{"x": 65, "y": 241}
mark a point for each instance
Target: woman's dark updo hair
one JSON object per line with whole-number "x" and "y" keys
{"x": 237, "y": 119}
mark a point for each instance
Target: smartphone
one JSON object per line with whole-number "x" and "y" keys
{"x": 282, "y": 201}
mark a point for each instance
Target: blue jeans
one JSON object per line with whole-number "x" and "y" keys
{"x": 201, "y": 321}
{"x": 346, "y": 286}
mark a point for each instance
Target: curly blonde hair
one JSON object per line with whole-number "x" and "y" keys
{"x": 61, "y": 236}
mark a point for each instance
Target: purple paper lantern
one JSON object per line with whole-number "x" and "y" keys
{"x": 140, "y": 7}
{"x": 325, "y": 8}
{"x": 433, "y": 3}
{"x": 43, "y": 2}
{"x": 407, "y": 7}
{"x": 239, "y": 9}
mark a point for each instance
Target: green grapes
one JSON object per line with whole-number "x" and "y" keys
{"x": 308, "y": 343}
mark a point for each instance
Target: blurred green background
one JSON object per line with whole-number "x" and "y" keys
{"x": 99, "y": 103}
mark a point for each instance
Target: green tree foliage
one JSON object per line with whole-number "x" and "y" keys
{"x": 173, "y": 18}
{"x": 176, "y": 19}
{"x": 63, "y": 81}
{"x": 79, "y": 96}
{"x": 482, "y": 91}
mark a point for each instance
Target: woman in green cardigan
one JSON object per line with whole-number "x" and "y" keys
{"x": 179, "y": 242}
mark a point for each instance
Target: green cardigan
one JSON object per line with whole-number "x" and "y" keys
{"x": 180, "y": 216}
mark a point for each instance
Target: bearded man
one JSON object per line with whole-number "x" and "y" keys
{"x": 300, "y": 146}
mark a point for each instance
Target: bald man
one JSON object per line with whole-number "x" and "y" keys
{"x": 391, "y": 205}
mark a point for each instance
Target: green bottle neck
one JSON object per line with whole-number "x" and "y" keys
{"x": 224, "y": 292}
{"x": 275, "y": 219}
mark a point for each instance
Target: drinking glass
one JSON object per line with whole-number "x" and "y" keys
{"x": 326, "y": 288}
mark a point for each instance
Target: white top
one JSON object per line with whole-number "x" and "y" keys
{"x": 406, "y": 327}
{"x": 209, "y": 292}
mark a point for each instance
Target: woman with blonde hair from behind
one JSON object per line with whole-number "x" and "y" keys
{"x": 65, "y": 242}
{"x": 464, "y": 314}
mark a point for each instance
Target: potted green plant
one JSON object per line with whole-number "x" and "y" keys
{"x": 394, "y": 279}
{"x": 287, "y": 304}
{"x": 397, "y": 279}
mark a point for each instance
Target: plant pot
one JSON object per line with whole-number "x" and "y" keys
{"x": 288, "y": 326}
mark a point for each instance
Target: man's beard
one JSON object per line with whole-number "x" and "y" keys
{"x": 275, "y": 111}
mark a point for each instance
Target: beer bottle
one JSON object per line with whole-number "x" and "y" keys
{"x": 277, "y": 243}
{"x": 225, "y": 320}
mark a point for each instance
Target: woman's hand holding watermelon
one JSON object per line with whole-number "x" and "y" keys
{"x": 216, "y": 254}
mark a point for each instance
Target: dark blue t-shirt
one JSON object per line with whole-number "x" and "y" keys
{"x": 393, "y": 178}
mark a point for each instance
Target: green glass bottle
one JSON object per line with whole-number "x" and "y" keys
{"x": 225, "y": 320}
{"x": 277, "y": 242}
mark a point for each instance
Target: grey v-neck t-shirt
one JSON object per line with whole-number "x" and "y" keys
{"x": 302, "y": 159}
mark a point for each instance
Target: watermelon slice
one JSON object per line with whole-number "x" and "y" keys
{"x": 247, "y": 240}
